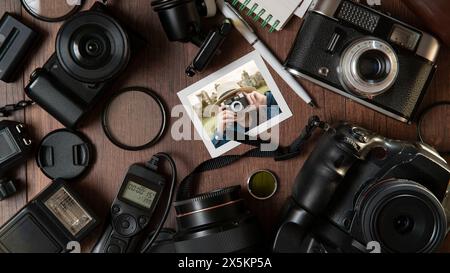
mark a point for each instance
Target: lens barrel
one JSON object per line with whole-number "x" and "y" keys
{"x": 216, "y": 222}
{"x": 93, "y": 47}
{"x": 403, "y": 216}
{"x": 368, "y": 67}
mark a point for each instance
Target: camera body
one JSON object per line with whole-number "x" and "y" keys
{"x": 92, "y": 50}
{"x": 357, "y": 188}
{"x": 238, "y": 103}
{"x": 366, "y": 56}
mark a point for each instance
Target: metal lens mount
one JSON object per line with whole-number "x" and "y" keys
{"x": 369, "y": 67}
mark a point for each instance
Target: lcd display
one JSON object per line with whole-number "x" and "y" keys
{"x": 8, "y": 146}
{"x": 139, "y": 195}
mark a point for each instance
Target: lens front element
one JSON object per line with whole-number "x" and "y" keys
{"x": 369, "y": 67}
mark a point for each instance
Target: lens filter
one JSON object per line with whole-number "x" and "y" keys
{"x": 52, "y": 10}
{"x": 134, "y": 119}
{"x": 262, "y": 185}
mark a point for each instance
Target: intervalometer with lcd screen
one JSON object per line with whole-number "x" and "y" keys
{"x": 131, "y": 211}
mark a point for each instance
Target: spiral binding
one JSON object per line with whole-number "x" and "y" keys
{"x": 256, "y": 15}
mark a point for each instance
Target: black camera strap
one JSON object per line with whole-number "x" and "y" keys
{"x": 8, "y": 109}
{"x": 188, "y": 187}
{"x": 421, "y": 121}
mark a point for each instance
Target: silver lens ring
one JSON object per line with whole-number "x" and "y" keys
{"x": 350, "y": 67}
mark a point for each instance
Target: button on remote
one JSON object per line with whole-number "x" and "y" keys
{"x": 126, "y": 225}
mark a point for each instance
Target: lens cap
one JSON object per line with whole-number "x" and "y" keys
{"x": 134, "y": 119}
{"x": 52, "y": 10}
{"x": 64, "y": 154}
{"x": 262, "y": 185}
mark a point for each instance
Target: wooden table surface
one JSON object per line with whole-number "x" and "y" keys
{"x": 161, "y": 67}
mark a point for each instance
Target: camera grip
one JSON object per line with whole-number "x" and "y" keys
{"x": 65, "y": 108}
{"x": 322, "y": 173}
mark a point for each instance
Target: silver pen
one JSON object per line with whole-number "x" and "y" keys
{"x": 249, "y": 34}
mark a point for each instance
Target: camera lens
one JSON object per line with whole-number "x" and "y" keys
{"x": 403, "y": 224}
{"x": 93, "y": 47}
{"x": 368, "y": 67}
{"x": 403, "y": 216}
{"x": 90, "y": 48}
{"x": 216, "y": 222}
{"x": 373, "y": 66}
{"x": 237, "y": 106}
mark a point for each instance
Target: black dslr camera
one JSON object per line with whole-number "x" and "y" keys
{"x": 92, "y": 49}
{"x": 358, "y": 190}
{"x": 366, "y": 56}
{"x": 237, "y": 103}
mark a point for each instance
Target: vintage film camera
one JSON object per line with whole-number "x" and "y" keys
{"x": 237, "y": 103}
{"x": 366, "y": 56}
{"x": 358, "y": 188}
{"x": 92, "y": 49}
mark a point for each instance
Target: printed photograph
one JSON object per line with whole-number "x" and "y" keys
{"x": 234, "y": 104}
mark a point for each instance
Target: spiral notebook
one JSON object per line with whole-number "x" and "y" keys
{"x": 273, "y": 13}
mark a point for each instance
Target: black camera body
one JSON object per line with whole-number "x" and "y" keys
{"x": 92, "y": 50}
{"x": 366, "y": 56}
{"x": 237, "y": 103}
{"x": 358, "y": 189}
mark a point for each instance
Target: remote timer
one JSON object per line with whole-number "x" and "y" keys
{"x": 131, "y": 211}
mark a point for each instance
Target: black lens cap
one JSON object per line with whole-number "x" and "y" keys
{"x": 64, "y": 154}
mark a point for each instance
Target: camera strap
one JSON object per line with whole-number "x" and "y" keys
{"x": 188, "y": 187}
{"x": 8, "y": 109}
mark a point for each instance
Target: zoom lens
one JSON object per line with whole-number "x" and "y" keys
{"x": 93, "y": 47}
{"x": 369, "y": 67}
{"x": 404, "y": 217}
{"x": 216, "y": 222}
